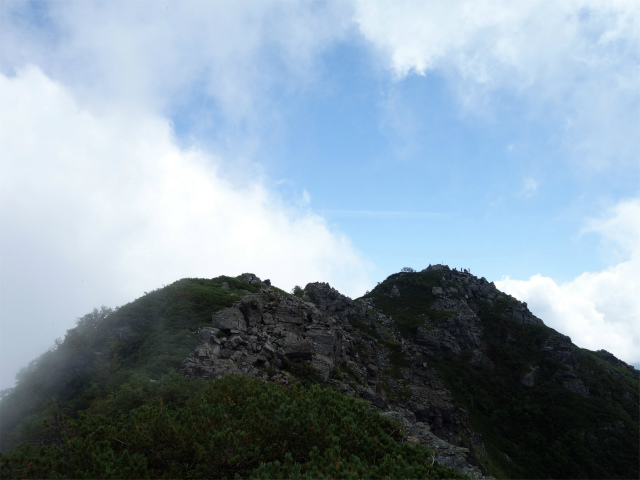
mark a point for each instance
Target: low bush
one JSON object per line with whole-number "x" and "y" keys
{"x": 233, "y": 427}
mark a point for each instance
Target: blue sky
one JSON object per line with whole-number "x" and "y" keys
{"x": 339, "y": 141}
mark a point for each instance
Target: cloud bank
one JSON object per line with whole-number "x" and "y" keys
{"x": 598, "y": 310}
{"x": 98, "y": 198}
{"x": 97, "y": 207}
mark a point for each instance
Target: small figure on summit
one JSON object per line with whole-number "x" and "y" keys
{"x": 250, "y": 279}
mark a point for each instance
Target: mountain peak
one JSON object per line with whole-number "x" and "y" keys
{"x": 468, "y": 371}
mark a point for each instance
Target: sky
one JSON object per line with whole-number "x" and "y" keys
{"x": 146, "y": 141}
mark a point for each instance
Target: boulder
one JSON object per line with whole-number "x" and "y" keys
{"x": 301, "y": 349}
{"x": 376, "y": 400}
{"x": 323, "y": 366}
{"x": 206, "y": 333}
{"x": 252, "y": 307}
{"x": 229, "y": 319}
{"x": 323, "y": 342}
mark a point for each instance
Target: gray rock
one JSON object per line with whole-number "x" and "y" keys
{"x": 396, "y": 417}
{"x": 436, "y": 341}
{"x": 235, "y": 341}
{"x": 375, "y": 400}
{"x": 261, "y": 338}
{"x": 436, "y": 267}
{"x": 577, "y": 386}
{"x": 323, "y": 366}
{"x": 207, "y": 333}
{"x": 229, "y": 319}
{"x": 529, "y": 378}
{"x": 252, "y": 307}
{"x": 323, "y": 342}
{"x": 298, "y": 349}
{"x": 289, "y": 317}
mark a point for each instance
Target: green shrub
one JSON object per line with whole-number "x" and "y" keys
{"x": 233, "y": 427}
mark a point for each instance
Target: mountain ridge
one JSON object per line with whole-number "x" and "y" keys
{"x": 468, "y": 370}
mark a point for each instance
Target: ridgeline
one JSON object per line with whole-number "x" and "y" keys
{"x": 432, "y": 374}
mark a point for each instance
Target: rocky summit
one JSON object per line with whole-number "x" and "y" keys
{"x": 451, "y": 362}
{"x": 395, "y": 347}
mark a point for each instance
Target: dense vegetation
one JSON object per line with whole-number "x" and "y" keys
{"x": 226, "y": 428}
{"x": 108, "y": 349}
{"x": 106, "y": 402}
{"x": 545, "y": 431}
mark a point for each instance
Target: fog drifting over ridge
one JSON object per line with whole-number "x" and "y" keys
{"x": 107, "y": 190}
{"x": 100, "y": 209}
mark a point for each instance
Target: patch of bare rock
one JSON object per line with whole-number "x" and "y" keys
{"x": 326, "y": 337}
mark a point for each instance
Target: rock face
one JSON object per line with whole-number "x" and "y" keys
{"x": 324, "y": 336}
{"x": 327, "y": 337}
{"x": 610, "y": 358}
{"x": 468, "y": 287}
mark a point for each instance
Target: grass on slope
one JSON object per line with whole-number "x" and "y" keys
{"x": 144, "y": 339}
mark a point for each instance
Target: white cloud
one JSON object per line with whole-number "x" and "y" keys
{"x": 598, "y": 310}
{"x": 575, "y": 60}
{"x": 156, "y": 55}
{"x": 96, "y": 209}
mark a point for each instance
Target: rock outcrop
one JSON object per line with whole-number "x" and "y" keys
{"x": 326, "y": 337}
{"x": 320, "y": 335}
{"x": 611, "y": 359}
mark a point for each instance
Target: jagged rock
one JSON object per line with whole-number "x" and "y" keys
{"x": 205, "y": 333}
{"x": 252, "y": 276}
{"x": 521, "y": 314}
{"x": 299, "y": 349}
{"x": 577, "y": 386}
{"x": 435, "y": 341}
{"x": 252, "y": 307}
{"x": 375, "y": 400}
{"x": 229, "y": 319}
{"x": 347, "y": 344}
{"x": 571, "y": 382}
{"x": 611, "y": 359}
{"x": 529, "y": 378}
{"x": 559, "y": 348}
{"x": 323, "y": 342}
{"x": 436, "y": 267}
{"x": 444, "y": 453}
